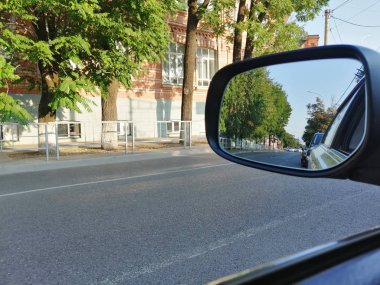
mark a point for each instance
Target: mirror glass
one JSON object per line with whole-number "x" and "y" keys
{"x": 306, "y": 114}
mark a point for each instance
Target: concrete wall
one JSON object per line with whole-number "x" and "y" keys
{"x": 143, "y": 112}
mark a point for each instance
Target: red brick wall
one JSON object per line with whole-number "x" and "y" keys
{"x": 311, "y": 41}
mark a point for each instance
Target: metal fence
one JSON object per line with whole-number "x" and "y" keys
{"x": 52, "y": 138}
{"x": 12, "y": 138}
{"x": 241, "y": 144}
{"x": 76, "y": 134}
{"x": 164, "y": 132}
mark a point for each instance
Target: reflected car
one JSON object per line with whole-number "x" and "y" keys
{"x": 305, "y": 153}
{"x": 343, "y": 135}
{"x": 316, "y": 140}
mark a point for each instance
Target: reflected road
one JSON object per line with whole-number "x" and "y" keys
{"x": 283, "y": 158}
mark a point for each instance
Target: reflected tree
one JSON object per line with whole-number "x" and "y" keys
{"x": 319, "y": 119}
{"x": 254, "y": 107}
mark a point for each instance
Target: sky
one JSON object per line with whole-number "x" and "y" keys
{"x": 330, "y": 79}
{"x": 358, "y": 12}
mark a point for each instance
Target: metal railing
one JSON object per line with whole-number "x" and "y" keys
{"x": 54, "y": 137}
{"x": 119, "y": 129}
{"x": 162, "y": 132}
{"x": 240, "y": 144}
{"x": 10, "y": 131}
{"x": 92, "y": 135}
{"x": 181, "y": 130}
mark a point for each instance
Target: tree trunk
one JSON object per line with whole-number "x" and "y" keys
{"x": 47, "y": 136}
{"x": 238, "y": 33}
{"x": 190, "y": 64}
{"x": 189, "y": 61}
{"x": 249, "y": 45}
{"x": 109, "y": 137}
{"x": 49, "y": 79}
{"x": 45, "y": 112}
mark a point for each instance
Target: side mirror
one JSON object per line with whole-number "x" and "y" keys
{"x": 261, "y": 111}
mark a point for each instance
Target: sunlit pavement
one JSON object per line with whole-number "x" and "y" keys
{"x": 184, "y": 219}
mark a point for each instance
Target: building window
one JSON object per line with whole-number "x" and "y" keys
{"x": 69, "y": 130}
{"x": 172, "y": 72}
{"x": 205, "y": 66}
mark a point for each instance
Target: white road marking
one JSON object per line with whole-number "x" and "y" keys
{"x": 113, "y": 180}
{"x": 205, "y": 249}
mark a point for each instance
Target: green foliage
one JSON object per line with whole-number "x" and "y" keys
{"x": 254, "y": 107}
{"x": 67, "y": 95}
{"x": 83, "y": 44}
{"x": 219, "y": 16}
{"x": 268, "y": 26}
{"x": 273, "y": 33}
{"x": 288, "y": 140}
{"x": 306, "y": 10}
{"x": 319, "y": 119}
{"x": 6, "y": 73}
{"x": 279, "y": 37}
{"x": 10, "y": 109}
{"x": 132, "y": 32}
{"x": 282, "y": 111}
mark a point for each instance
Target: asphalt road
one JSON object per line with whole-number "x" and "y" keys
{"x": 283, "y": 158}
{"x": 180, "y": 220}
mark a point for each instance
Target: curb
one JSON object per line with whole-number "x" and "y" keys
{"x": 34, "y": 165}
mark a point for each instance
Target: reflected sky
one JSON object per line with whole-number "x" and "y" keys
{"x": 329, "y": 79}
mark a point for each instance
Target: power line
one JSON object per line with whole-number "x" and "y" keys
{"x": 354, "y": 24}
{"x": 337, "y": 102}
{"x": 362, "y": 11}
{"x": 331, "y": 32}
{"x": 341, "y": 5}
{"x": 336, "y": 27}
{"x": 353, "y": 79}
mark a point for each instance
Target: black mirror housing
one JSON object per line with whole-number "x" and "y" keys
{"x": 363, "y": 165}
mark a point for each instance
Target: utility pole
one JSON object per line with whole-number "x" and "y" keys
{"x": 327, "y": 19}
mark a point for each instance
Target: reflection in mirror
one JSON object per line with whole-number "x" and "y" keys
{"x": 307, "y": 114}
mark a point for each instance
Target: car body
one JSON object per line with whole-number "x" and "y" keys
{"x": 316, "y": 140}
{"x": 326, "y": 152}
{"x": 305, "y": 154}
{"x": 354, "y": 135}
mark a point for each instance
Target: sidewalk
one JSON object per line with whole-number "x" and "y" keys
{"x": 35, "y": 164}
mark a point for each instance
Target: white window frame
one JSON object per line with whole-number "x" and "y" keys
{"x": 168, "y": 78}
{"x": 206, "y": 66}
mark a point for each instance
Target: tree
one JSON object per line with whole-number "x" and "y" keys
{"x": 319, "y": 119}
{"x": 137, "y": 32}
{"x": 83, "y": 46}
{"x": 195, "y": 14}
{"x": 288, "y": 140}
{"x": 280, "y": 117}
{"x": 211, "y": 13}
{"x": 238, "y": 31}
{"x": 10, "y": 109}
{"x": 254, "y": 113}
{"x": 267, "y": 26}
